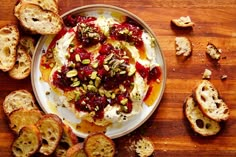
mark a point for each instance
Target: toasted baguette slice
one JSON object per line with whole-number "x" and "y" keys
{"x": 9, "y": 38}
{"x": 28, "y": 43}
{"x": 183, "y": 46}
{"x": 209, "y": 101}
{"x": 28, "y": 142}
{"x": 35, "y": 19}
{"x": 183, "y": 21}
{"x": 99, "y": 145}
{"x": 18, "y": 99}
{"x": 76, "y": 151}
{"x": 200, "y": 123}
{"x": 50, "y": 127}
{"x": 213, "y": 51}
{"x": 22, "y": 66}
{"x": 49, "y": 5}
{"x": 68, "y": 139}
{"x": 144, "y": 147}
{"x": 21, "y": 117}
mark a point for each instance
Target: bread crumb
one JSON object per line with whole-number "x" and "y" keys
{"x": 207, "y": 74}
{"x": 224, "y": 77}
{"x": 213, "y": 51}
{"x": 183, "y": 21}
{"x": 183, "y": 46}
{"x": 144, "y": 147}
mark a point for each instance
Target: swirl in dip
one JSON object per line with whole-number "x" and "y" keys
{"x": 102, "y": 68}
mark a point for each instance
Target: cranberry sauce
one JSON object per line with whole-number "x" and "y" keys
{"x": 128, "y": 31}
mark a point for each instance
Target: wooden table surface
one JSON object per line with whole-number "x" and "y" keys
{"x": 215, "y": 21}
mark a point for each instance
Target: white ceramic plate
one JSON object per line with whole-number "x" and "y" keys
{"x": 40, "y": 87}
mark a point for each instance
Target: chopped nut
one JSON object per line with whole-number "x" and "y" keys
{"x": 106, "y": 67}
{"x": 107, "y": 94}
{"x": 75, "y": 84}
{"x": 95, "y": 64}
{"x": 97, "y": 81}
{"x": 124, "y": 101}
{"x": 93, "y": 75}
{"x": 71, "y": 73}
{"x": 92, "y": 88}
{"x": 85, "y": 61}
{"x": 77, "y": 58}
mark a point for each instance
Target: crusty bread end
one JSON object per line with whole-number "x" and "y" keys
{"x": 200, "y": 123}
{"x": 210, "y": 102}
{"x": 28, "y": 142}
{"x": 9, "y": 39}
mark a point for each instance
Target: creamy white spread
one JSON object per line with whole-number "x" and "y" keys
{"x": 140, "y": 86}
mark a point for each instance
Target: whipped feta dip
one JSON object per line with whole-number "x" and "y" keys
{"x": 102, "y": 68}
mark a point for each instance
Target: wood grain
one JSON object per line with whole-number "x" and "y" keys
{"x": 215, "y": 21}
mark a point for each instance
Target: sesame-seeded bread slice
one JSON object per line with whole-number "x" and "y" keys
{"x": 68, "y": 139}
{"x": 50, "y": 126}
{"x": 183, "y": 46}
{"x": 144, "y": 147}
{"x": 213, "y": 51}
{"x": 28, "y": 42}
{"x": 183, "y": 21}
{"x": 207, "y": 96}
{"x": 18, "y": 99}
{"x": 49, "y": 5}
{"x": 9, "y": 39}
{"x": 21, "y": 117}
{"x": 99, "y": 144}
{"x": 22, "y": 66}
{"x": 28, "y": 142}
{"x": 200, "y": 123}
{"x": 76, "y": 151}
{"x": 40, "y": 21}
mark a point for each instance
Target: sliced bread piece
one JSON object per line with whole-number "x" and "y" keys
{"x": 144, "y": 147}
{"x": 200, "y": 123}
{"x": 76, "y": 151}
{"x": 99, "y": 144}
{"x": 183, "y": 21}
{"x": 28, "y": 142}
{"x": 49, "y": 5}
{"x": 21, "y": 117}
{"x": 37, "y": 20}
{"x": 50, "y": 126}
{"x": 68, "y": 139}
{"x": 22, "y": 66}
{"x": 213, "y": 51}
{"x": 28, "y": 43}
{"x": 183, "y": 46}
{"x": 18, "y": 99}
{"x": 9, "y": 38}
{"x": 210, "y": 102}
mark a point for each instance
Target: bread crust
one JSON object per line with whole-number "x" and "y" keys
{"x": 22, "y": 66}
{"x": 9, "y": 38}
{"x": 22, "y": 117}
{"x": 68, "y": 139}
{"x": 76, "y": 151}
{"x": 28, "y": 141}
{"x": 18, "y": 99}
{"x": 40, "y": 21}
{"x": 49, "y": 5}
{"x": 50, "y": 126}
{"x": 200, "y": 123}
{"x": 99, "y": 144}
{"x": 210, "y": 103}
